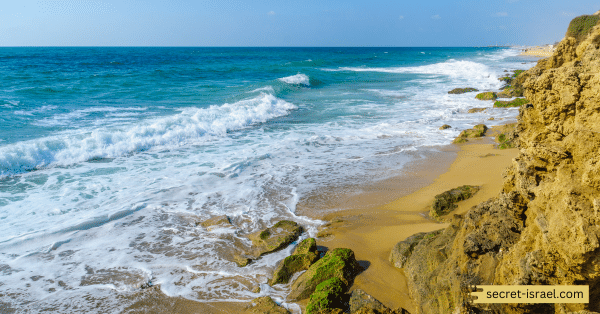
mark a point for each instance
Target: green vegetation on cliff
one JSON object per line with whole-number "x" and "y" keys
{"x": 580, "y": 26}
{"x": 511, "y": 103}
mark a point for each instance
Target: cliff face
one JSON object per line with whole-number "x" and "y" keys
{"x": 543, "y": 228}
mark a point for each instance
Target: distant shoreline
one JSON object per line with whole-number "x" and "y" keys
{"x": 538, "y": 51}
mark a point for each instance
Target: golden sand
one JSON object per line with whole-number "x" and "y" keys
{"x": 372, "y": 234}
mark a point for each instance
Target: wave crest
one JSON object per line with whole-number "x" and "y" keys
{"x": 191, "y": 125}
{"x": 298, "y": 79}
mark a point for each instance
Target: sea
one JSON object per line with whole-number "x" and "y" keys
{"x": 111, "y": 157}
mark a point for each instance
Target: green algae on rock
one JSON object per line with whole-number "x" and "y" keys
{"x": 446, "y": 202}
{"x": 265, "y": 305}
{"x": 507, "y": 137}
{"x": 328, "y": 295}
{"x": 477, "y": 131}
{"x": 463, "y": 90}
{"x": 486, "y": 96}
{"x": 511, "y": 103}
{"x": 339, "y": 263}
{"x": 303, "y": 257}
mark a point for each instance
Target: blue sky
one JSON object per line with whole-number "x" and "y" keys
{"x": 286, "y": 23}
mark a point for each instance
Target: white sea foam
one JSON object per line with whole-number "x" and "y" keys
{"x": 191, "y": 125}
{"x": 298, "y": 79}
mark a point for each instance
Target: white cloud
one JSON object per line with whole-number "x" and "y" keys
{"x": 401, "y": 17}
{"x": 436, "y": 17}
{"x": 501, "y": 14}
{"x": 565, "y": 13}
{"x": 271, "y": 13}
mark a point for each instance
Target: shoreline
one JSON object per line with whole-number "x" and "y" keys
{"x": 372, "y": 235}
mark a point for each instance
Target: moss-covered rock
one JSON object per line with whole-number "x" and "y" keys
{"x": 477, "y": 131}
{"x": 511, "y": 103}
{"x": 507, "y": 136}
{"x": 304, "y": 256}
{"x": 339, "y": 263}
{"x": 265, "y": 305}
{"x": 242, "y": 260}
{"x": 445, "y": 126}
{"x": 328, "y": 295}
{"x": 463, "y": 90}
{"x": 274, "y": 238}
{"x": 510, "y": 92}
{"x": 306, "y": 246}
{"x": 486, "y": 96}
{"x": 445, "y": 202}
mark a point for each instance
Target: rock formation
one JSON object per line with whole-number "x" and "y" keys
{"x": 543, "y": 227}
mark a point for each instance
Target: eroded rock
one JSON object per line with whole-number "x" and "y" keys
{"x": 445, "y": 202}
{"x": 304, "y": 256}
{"x": 265, "y": 305}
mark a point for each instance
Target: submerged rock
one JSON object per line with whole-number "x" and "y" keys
{"x": 339, "y": 263}
{"x": 463, "y": 90}
{"x": 445, "y": 126}
{"x": 217, "y": 221}
{"x": 475, "y": 110}
{"x": 265, "y": 305}
{"x": 445, "y": 202}
{"x": 304, "y": 256}
{"x": 486, "y": 96}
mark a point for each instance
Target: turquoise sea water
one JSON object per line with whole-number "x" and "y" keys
{"x": 110, "y": 156}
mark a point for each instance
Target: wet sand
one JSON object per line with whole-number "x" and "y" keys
{"x": 371, "y": 233}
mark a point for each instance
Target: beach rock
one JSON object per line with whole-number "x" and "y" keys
{"x": 242, "y": 260}
{"x": 339, "y": 263}
{"x": 474, "y": 110}
{"x": 363, "y": 303}
{"x": 304, "y": 256}
{"x": 265, "y": 305}
{"x": 274, "y": 238}
{"x": 463, "y": 90}
{"x": 306, "y": 246}
{"x": 511, "y": 103}
{"x": 507, "y": 136}
{"x": 446, "y": 202}
{"x": 328, "y": 295}
{"x": 403, "y": 249}
{"x": 486, "y": 96}
{"x": 510, "y": 92}
{"x": 477, "y": 131}
{"x": 543, "y": 226}
{"x": 217, "y": 221}
{"x": 445, "y": 126}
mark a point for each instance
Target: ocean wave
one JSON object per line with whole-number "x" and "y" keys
{"x": 298, "y": 79}
{"x": 453, "y": 68}
{"x": 190, "y": 125}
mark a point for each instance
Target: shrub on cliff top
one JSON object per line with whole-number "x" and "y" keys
{"x": 581, "y": 26}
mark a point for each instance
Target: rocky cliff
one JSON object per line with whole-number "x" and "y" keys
{"x": 543, "y": 227}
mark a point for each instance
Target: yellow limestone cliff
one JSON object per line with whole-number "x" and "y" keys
{"x": 543, "y": 227}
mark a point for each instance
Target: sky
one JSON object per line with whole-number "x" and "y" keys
{"x": 297, "y": 23}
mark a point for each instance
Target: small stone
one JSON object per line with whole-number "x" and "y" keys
{"x": 475, "y": 110}
{"x": 445, "y": 126}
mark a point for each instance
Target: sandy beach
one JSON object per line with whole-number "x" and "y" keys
{"x": 372, "y": 232}
{"x": 538, "y": 51}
